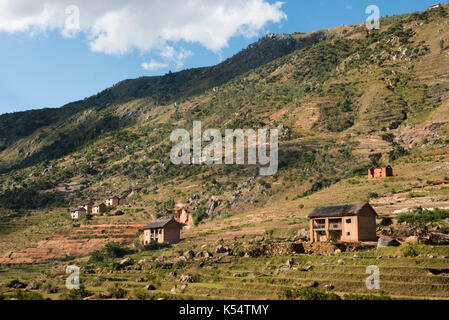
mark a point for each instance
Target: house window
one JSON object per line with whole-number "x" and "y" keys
{"x": 348, "y": 220}
{"x": 348, "y": 234}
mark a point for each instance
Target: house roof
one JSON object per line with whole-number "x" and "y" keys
{"x": 342, "y": 210}
{"x": 158, "y": 224}
{"x": 78, "y": 209}
{"x": 98, "y": 204}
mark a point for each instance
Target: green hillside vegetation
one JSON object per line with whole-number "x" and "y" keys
{"x": 344, "y": 99}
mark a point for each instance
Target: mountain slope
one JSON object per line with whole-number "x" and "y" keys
{"x": 155, "y": 90}
{"x": 344, "y": 100}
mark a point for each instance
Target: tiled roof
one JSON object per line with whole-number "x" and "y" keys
{"x": 342, "y": 210}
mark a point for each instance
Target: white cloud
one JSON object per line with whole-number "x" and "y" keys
{"x": 119, "y": 27}
{"x": 154, "y": 65}
{"x": 170, "y": 54}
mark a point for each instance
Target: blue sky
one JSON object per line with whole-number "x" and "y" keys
{"x": 42, "y": 68}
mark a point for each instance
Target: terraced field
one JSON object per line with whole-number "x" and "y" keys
{"x": 227, "y": 277}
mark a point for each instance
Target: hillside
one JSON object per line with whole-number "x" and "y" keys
{"x": 344, "y": 99}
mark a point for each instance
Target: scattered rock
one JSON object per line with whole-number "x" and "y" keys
{"x": 186, "y": 278}
{"x": 189, "y": 254}
{"x": 237, "y": 275}
{"x": 386, "y": 221}
{"x": 329, "y": 287}
{"x": 126, "y": 262}
{"x": 32, "y": 286}
{"x": 140, "y": 279}
{"x": 439, "y": 238}
{"x": 341, "y": 261}
{"x": 150, "y": 287}
{"x": 384, "y": 242}
{"x": 337, "y": 251}
{"x": 312, "y": 284}
{"x": 183, "y": 288}
{"x": 284, "y": 268}
{"x": 290, "y": 262}
{"x": 220, "y": 249}
{"x": 16, "y": 284}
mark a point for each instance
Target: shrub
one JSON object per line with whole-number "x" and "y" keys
{"x": 373, "y": 195}
{"x": 49, "y": 287}
{"x": 420, "y": 215}
{"x": 199, "y": 216}
{"x": 77, "y": 294}
{"x": 154, "y": 245}
{"x": 308, "y": 294}
{"x": 410, "y": 251}
{"x": 23, "y": 295}
{"x": 354, "y": 296}
{"x": 111, "y": 250}
{"x": 140, "y": 294}
{"x": 180, "y": 264}
{"x": 117, "y": 292}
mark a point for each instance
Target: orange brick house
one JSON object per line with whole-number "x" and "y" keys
{"x": 98, "y": 208}
{"x": 112, "y": 201}
{"x": 163, "y": 231}
{"x": 346, "y": 223}
{"x": 374, "y": 173}
{"x": 88, "y": 206}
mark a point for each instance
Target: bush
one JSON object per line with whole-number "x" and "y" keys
{"x": 23, "y": 295}
{"x": 117, "y": 292}
{"x": 77, "y": 294}
{"x": 111, "y": 250}
{"x": 154, "y": 245}
{"x": 140, "y": 294}
{"x": 180, "y": 264}
{"x": 354, "y": 296}
{"x": 420, "y": 215}
{"x": 308, "y": 294}
{"x": 410, "y": 251}
{"x": 50, "y": 287}
{"x": 199, "y": 216}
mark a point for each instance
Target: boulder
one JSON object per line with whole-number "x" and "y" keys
{"x": 303, "y": 234}
{"x": 186, "y": 278}
{"x": 189, "y": 254}
{"x": 329, "y": 287}
{"x": 126, "y": 262}
{"x": 140, "y": 279}
{"x": 220, "y": 249}
{"x": 312, "y": 284}
{"x": 16, "y": 284}
{"x": 411, "y": 239}
{"x": 290, "y": 262}
{"x": 150, "y": 287}
{"x": 386, "y": 221}
{"x": 32, "y": 286}
{"x": 439, "y": 238}
{"x": 384, "y": 242}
